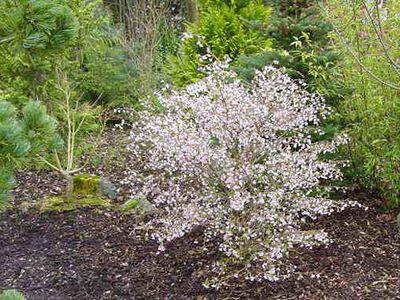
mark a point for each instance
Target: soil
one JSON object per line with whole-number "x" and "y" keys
{"x": 102, "y": 254}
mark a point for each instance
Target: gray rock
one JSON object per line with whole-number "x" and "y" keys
{"x": 144, "y": 206}
{"x": 108, "y": 189}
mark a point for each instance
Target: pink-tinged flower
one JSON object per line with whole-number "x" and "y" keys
{"x": 239, "y": 161}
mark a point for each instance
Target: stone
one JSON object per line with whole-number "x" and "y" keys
{"x": 108, "y": 189}
{"x": 145, "y": 206}
{"x": 86, "y": 184}
{"x": 61, "y": 204}
{"x": 91, "y": 185}
{"x": 25, "y": 206}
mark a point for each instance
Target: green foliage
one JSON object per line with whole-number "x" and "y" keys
{"x": 37, "y": 37}
{"x": 110, "y": 79}
{"x": 295, "y": 17}
{"x": 11, "y": 295}
{"x": 369, "y": 38}
{"x": 303, "y": 46}
{"x": 129, "y": 205}
{"x": 34, "y": 26}
{"x": 39, "y": 128}
{"x": 33, "y": 36}
{"x": 102, "y": 66}
{"x": 222, "y": 30}
{"x": 5, "y": 186}
{"x": 22, "y": 136}
{"x": 236, "y": 4}
{"x": 12, "y": 145}
{"x": 150, "y": 34}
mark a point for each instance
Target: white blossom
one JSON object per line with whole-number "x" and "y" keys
{"x": 240, "y": 161}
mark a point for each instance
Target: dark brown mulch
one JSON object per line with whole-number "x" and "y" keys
{"x": 93, "y": 254}
{"x": 33, "y": 185}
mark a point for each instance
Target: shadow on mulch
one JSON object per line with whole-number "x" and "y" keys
{"x": 94, "y": 254}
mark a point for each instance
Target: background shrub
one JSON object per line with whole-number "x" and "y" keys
{"x": 34, "y": 34}
{"x": 38, "y": 37}
{"x": 150, "y": 33}
{"x": 231, "y": 28}
{"x": 368, "y": 35}
{"x": 302, "y": 44}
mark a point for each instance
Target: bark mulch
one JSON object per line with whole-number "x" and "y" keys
{"x": 100, "y": 254}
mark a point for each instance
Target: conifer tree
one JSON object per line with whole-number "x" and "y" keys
{"x": 34, "y": 36}
{"x": 303, "y": 46}
{"x": 24, "y": 135}
{"x": 38, "y": 38}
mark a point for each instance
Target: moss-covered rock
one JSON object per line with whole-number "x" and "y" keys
{"x": 86, "y": 184}
{"x": 60, "y": 203}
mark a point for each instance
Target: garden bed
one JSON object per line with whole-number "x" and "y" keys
{"x": 101, "y": 254}
{"x": 225, "y": 168}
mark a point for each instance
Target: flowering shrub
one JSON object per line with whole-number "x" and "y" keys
{"x": 240, "y": 162}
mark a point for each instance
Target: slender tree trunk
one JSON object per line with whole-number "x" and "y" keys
{"x": 70, "y": 186}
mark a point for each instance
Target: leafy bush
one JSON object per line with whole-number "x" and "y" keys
{"x": 222, "y": 30}
{"x": 75, "y": 37}
{"x": 13, "y": 145}
{"x": 150, "y": 33}
{"x": 99, "y": 62}
{"x": 368, "y": 35}
{"x": 240, "y": 162}
{"x": 37, "y": 26}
